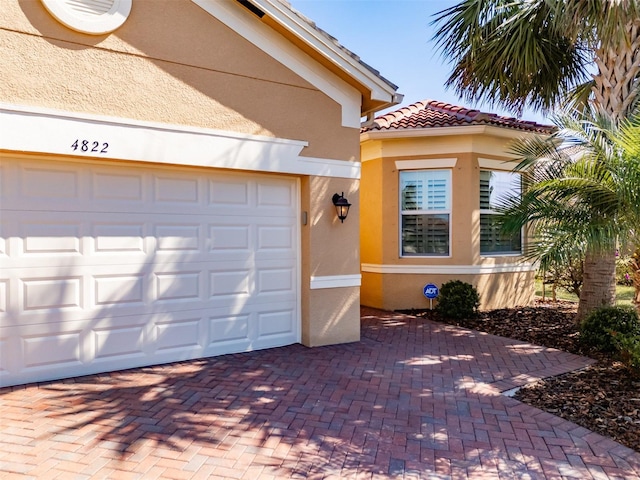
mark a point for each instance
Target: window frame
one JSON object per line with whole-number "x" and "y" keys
{"x": 489, "y": 211}
{"x": 448, "y": 211}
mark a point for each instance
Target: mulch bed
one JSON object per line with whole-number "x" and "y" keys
{"x": 604, "y": 397}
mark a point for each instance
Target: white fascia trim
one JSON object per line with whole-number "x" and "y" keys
{"x": 272, "y": 43}
{"x": 48, "y": 131}
{"x": 491, "y": 164}
{"x": 380, "y": 90}
{"x": 449, "y": 269}
{"x": 444, "y": 131}
{"x": 426, "y": 163}
{"x": 335, "y": 281}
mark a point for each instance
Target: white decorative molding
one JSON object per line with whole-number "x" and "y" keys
{"x": 491, "y": 164}
{"x": 426, "y": 163}
{"x": 335, "y": 281}
{"x": 94, "y": 17}
{"x": 48, "y": 131}
{"x": 275, "y": 45}
{"x": 449, "y": 269}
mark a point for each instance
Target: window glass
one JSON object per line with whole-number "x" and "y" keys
{"x": 495, "y": 186}
{"x": 425, "y": 190}
{"x": 425, "y": 199}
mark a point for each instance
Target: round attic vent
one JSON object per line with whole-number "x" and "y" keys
{"x": 95, "y": 17}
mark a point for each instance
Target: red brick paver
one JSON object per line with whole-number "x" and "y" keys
{"x": 413, "y": 400}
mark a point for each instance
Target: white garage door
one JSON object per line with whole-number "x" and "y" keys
{"x": 105, "y": 267}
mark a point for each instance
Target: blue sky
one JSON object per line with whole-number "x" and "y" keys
{"x": 394, "y": 37}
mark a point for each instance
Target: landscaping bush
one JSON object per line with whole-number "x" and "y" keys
{"x": 602, "y": 325}
{"x": 458, "y": 300}
{"x": 628, "y": 347}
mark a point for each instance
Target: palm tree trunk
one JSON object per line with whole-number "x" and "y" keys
{"x": 618, "y": 67}
{"x": 635, "y": 276}
{"x": 599, "y": 282}
{"x": 614, "y": 93}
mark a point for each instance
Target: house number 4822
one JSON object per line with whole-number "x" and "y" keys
{"x": 91, "y": 146}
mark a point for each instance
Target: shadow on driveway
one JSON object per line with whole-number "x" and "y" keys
{"x": 412, "y": 399}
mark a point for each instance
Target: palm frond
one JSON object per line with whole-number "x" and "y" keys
{"x": 581, "y": 185}
{"x": 508, "y": 52}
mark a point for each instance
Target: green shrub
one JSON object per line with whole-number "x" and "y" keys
{"x": 600, "y": 327}
{"x": 628, "y": 347}
{"x": 458, "y": 300}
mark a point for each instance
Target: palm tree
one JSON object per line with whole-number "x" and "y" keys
{"x": 581, "y": 195}
{"x": 539, "y": 54}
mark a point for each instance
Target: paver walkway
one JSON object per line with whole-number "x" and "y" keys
{"x": 413, "y": 399}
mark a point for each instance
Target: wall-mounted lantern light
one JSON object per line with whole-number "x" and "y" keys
{"x": 342, "y": 206}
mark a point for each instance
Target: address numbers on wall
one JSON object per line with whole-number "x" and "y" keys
{"x": 90, "y": 146}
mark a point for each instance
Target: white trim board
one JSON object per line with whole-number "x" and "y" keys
{"x": 335, "y": 281}
{"x": 449, "y": 269}
{"x": 491, "y": 164}
{"x": 43, "y": 130}
{"x": 426, "y": 163}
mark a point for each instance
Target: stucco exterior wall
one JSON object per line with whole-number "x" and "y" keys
{"x": 174, "y": 63}
{"x": 170, "y": 62}
{"x": 390, "y": 281}
{"x": 404, "y": 291}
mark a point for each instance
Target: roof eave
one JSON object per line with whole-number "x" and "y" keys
{"x": 492, "y": 130}
{"x": 378, "y": 92}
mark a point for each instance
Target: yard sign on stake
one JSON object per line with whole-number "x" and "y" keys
{"x": 430, "y": 291}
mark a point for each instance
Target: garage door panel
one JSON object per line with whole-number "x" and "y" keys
{"x": 275, "y": 323}
{"x": 52, "y": 236}
{"x": 184, "y": 285}
{"x": 225, "y": 238}
{"x": 4, "y": 295}
{"x": 105, "y": 267}
{"x": 178, "y": 237}
{"x": 230, "y": 331}
{"x": 177, "y": 192}
{"x": 230, "y": 283}
{"x": 275, "y": 196}
{"x": 229, "y": 192}
{"x": 117, "y": 237}
{"x": 271, "y": 281}
{"x": 50, "y": 183}
{"x": 118, "y": 187}
{"x": 51, "y": 293}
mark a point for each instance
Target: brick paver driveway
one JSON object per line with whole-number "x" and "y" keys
{"x": 413, "y": 399}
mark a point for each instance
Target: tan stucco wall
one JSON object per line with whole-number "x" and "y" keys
{"x": 174, "y": 63}
{"x": 404, "y": 291}
{"x": 337, "y": 307}
{"x": 329, "y": 247}
{"x": 380, "y": 185}
{"x": 170, "y": 62}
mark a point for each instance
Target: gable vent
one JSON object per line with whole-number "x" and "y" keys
{"x": 95, "y": 17}
{"x": 90, "y": 7}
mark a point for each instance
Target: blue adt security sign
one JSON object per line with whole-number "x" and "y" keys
{"x": 430, "y": 291}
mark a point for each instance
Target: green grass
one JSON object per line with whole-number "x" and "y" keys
{"x": 624, "y": 294}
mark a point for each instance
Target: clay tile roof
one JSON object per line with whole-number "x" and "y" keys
{"x": 434, "y": 114}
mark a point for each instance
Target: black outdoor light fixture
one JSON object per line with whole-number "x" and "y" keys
{"x": 342, "y": 206}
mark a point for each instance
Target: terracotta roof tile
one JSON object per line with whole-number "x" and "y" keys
{"x": 434, "y": 114}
